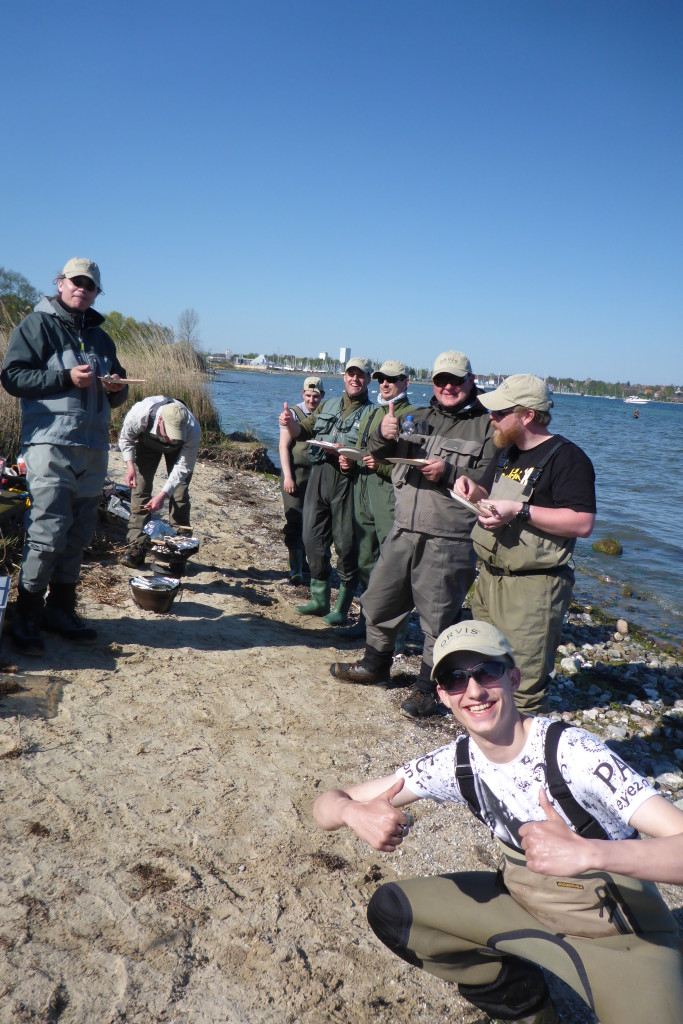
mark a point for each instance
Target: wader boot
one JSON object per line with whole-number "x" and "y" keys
{"x": 341, "y": 608}
{"x": 25, "y": 628}
{"x": 60, "y": 615}
{"x": 355, "y": 632}
{"x": 295, "y": 576}
{"x": 320, "y": 599}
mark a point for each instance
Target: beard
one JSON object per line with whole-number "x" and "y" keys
{"x": 503, "y": 438}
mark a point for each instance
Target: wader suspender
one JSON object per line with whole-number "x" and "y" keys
{"x": 533, "y": 479}
{"x": 583, "y": 822}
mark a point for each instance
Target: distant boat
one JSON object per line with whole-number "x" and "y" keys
{"x": 636, "y": 400}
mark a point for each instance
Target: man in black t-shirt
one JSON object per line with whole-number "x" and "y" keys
{"x": 542, "y": 499}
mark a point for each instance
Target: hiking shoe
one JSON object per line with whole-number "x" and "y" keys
{"x": 26, "y": 638}
{"x": 355, "y": 672}
{"x": 422, "y": 704}
{"x": 69, "y": 625}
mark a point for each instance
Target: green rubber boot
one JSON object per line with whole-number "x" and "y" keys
{"x": 295, "y": 576}
{"x": 341, "y": 608}
{"x": 320, "y": 599}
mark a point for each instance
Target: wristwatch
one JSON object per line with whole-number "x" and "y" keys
{"x": 524, "y": 513}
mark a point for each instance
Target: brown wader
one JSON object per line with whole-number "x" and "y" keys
{"x": 524, "y": 588}
{"x": 466, "y": 928}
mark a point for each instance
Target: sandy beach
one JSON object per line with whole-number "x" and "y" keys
{"x": 160, "y": 858}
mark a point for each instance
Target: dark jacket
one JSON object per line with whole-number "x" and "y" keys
{"x": 42, "y": 351}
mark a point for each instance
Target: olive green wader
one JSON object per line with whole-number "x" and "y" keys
{"x": 524, "y": 589}
{"x": 466, "y": 928}
{"x": 328, "y": 511}
{"x": 148, "y": 453}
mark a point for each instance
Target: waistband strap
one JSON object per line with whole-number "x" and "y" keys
{"x": 558, "y": 570}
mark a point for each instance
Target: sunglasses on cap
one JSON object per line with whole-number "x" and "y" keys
{"x": 500, "y": 414}
{"x": 456, "y": 680}
{"x": 83, "y": 282}
{"x": 442, "y": 379}
{"x": 381, "y": 378}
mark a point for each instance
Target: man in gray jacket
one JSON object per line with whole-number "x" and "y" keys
{"x": 63, "y": 367}
{"x": 427, "y": 560}
{"x": 154, "y": 427}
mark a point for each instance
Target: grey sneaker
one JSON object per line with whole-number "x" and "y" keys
{"x": 421, "y": 704}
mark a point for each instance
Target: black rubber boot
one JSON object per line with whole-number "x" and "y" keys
{"x": 25, "y": 628}
{"x": 60, "y": 615}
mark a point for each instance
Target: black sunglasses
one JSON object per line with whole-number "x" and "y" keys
{"x": 381, "y": 378}
{"x": 83, "y": 282}
{"x": 442, "y": 379}
{"x": 456, "y": 680}
{"x": 500, "y": 414}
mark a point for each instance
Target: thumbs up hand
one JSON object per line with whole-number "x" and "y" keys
{"x": 389, "y": 425}
{"x": 285, "y": 417}
{"x": 551, "y": 847}
{"x": 378, "y": 822}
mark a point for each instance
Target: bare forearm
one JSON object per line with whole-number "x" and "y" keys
{"x": 655, "y": 860}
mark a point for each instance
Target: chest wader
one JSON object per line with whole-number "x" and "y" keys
{"x": 525, "y": 584}
{"x": 328, "y": 513}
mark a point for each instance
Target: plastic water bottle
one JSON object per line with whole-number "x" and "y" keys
{"x": 408, "y": 428}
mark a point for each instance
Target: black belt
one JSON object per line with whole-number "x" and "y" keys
{"x": 558, "y": 570}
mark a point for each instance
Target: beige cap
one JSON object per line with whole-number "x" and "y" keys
{"x": 360, "y": 363}
{"x": 456, "y": 363}
{"x": 314, "y": 384}
{"x": 174, "y": 416}
{"x": 471, "y": 635}
{"x": 520, "y": 389}
{"x": 391, "y": 368}
{"x": 80, "y": 267}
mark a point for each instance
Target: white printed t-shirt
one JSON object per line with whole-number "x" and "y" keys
{"x": 601, "y": 782}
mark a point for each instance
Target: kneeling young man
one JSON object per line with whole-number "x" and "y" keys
{"x": 575, "y": 892}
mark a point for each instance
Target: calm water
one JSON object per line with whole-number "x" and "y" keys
{"x": 639, "y": 486}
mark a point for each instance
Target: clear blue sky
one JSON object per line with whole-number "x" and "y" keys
{"x": 399, "y": 177}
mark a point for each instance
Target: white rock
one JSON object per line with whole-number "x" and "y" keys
{"x": 570, "y": 666}
{"x": 622, "y": 627}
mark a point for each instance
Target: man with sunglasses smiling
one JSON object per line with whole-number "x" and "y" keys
{"x": 427, "y": 560}
{"x": 565, "y": 813}
{"x": 542, "y": 499}
{"x": 63, "y": 367}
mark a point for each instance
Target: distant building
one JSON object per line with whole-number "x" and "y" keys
{"x": 259, "y": 361}
{"x": 344, "y": 355}
{"x": 323, "y": 356}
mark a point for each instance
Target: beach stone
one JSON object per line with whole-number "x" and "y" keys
{"x": 608, "y": 546}
{"x": 570, "y": 665}
{"x": 591, "y": 714}
{"x": 616, "y": 732}
{"x": 678, "y": 754}
{"x": 622, "y": 627}
{"x": 672, "y": 780}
